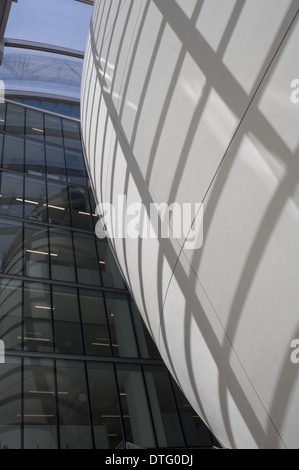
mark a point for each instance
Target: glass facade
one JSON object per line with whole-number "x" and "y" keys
{"x": 81, "y": 370}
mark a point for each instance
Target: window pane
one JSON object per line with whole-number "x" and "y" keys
{"x": 10, "y": 404}
{"x": 62, "y": 264}
{"x": 111, "y": 276}
{"x": 35, "y": 125}
{"x": 71, "y": 134}
{"x": 49, "y": 106}
{"x": 33, "y": 103}
{"x": 121, "y": 327}
{"x": 58, "y": 204}
{"x": 15, "y": 120}
{"x": 39, "y": 405}
{"x": 94, "y": 320}
{"x": 135, "y": 408}
{"x": 11, "y": 252}
{"x": 81, "y": 214}
{"x": 11, "y": 301}
{"x": 1, "y": 144}
{"x": 64, "y": 108}
{"x": 53, "y": 130}
{"x": 13, "y": 155}
{"x": 104, "y": 406}
{"x": 38, "y": 335}
{"x": 66, "y": 321}
{"x": 11, "y": 200}
{"x": 75, "y": 167}
{"x": 147, "y": 347}
{"x": 35, "y": 207}
{"x": 164, "y": 412}
{"x": 86, "y": 259}
{"x": 37, "y": 251}
{"x": 196, "y": 432}
{"x": 55, "y": 163}
{"x": 77, "y": 112}
{"x": 34, "y": 158}
{"x": 75, "y": 428}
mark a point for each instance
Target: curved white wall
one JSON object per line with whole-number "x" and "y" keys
{"x": 189, "y": 101}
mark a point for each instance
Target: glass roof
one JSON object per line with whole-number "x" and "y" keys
{"x": 63, "y": 23}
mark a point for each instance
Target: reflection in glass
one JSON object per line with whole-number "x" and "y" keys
{"x": 134, "y": 403}
{"x": 75, "y": 167}
{"x": 39, "y": 405}
{"x": 13, "y": 153}
{"x": 55, "y": 163}
{"x": 147, "y": 347}
{"x": 86, "y": 259}
{"x": 11, "y": 252}
{"x": 34, "y": 158}
{"x": 75, "y": 430}
{"x": 66, "y": 320}
{"x": 121, "y": 327}
{"x": 11, "y": 302}
{"x": 11, "y": 200}
{"x": 38, "y": 335}
{"x": 2, "y": 116}
{"x": 34, "y": 125}
{"x": 58, "y": 204}
{"x": 104, "y": 406}
{"x": 36, "y": 251}
{"x": 71, "y": 135}
{"x": 62, "y": 264}
{"x": 53, "y": 130}
{"x": 35, "y": 199}
{"x": 164, "y": 412}
{"x": 110, "y": 273}
{"x": 81, "y": 213}
{"x": 196, "y": 432}
{"x": 10, "y": 404}
{"x": 94, "y": 320}
{"x": 15, "y": 120}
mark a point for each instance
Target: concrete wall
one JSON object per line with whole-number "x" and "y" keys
{"x": 190, "y": 101}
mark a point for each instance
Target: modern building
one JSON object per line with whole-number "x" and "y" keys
{"x": 81, "y": 369}
{"x": 195, "y": 102}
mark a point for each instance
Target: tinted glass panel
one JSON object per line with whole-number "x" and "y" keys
{"x": 38, "y": 334}
{"x": 86, "y": 259}
{"x": 75, "y": 431}
{"x": 55, "y": 163}
{"x": 15, "y": 120}
{"x": 11, "y": 200}
{"x": 53, "y": 130}
{"x": 36, "y": 246}
{"x": 111, "y": 276}
{"x": 13, "y": 156}
{"x": 2, "y": 116}
{"x": 11, "y": 301}
{"x": 35, "y": 203}
{"x": 66, "y": 321}
{"x": 58, "y": 204}
{"x": 104, "y": 406}
{"x": 94, "y": 320}
{"x": 75, "y": 167}
{"x": 62, "y": 264}
{"x": 80, "y": 208}
{"x": 71, "y": 134}
{"x": 34, "y": 125}
{"x": 34, "y": 158}
{"x": 10, "y": 404}
{"x": 40, "y": 430}
{"x": 11, "y": 252}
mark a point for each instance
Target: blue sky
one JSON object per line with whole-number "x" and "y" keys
{"x": 58, "y": 22}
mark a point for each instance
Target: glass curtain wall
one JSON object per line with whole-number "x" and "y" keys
{"x": 81, "y": 370}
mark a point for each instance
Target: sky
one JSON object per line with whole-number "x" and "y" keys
{"x": 36, "y": 20}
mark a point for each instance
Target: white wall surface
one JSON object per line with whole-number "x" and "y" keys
{"x": 189, "y": 101}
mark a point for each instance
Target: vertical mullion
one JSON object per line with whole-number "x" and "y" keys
{"x": 57, "y": 406}
{"x": 89, "y": 406}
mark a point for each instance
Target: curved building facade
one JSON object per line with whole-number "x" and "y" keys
{"x": 194, "y": 102}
